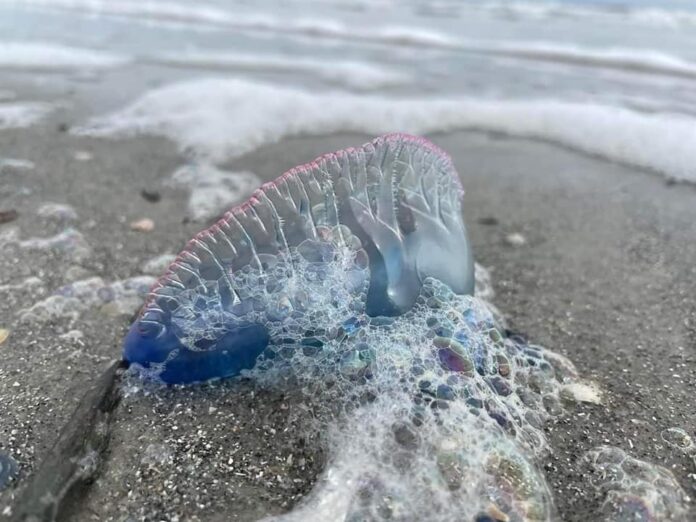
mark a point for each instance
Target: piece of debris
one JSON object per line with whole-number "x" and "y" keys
{"x": 488, "y": 221}
{"x": 8, "y": 215}
{"x": 57, "y": 212}
{"x": 4, "y": 334}
{"x": 151, "y": 196}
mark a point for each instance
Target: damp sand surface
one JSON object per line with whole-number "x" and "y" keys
{"x": 603, "y": 274}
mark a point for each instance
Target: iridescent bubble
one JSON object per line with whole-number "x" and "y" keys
{"x": 634, "y": 489}
{"x": 678, "y": 438}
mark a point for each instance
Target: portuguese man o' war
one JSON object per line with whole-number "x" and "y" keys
{"x": 351, "y": 279}
{"x": 395, "y": 203}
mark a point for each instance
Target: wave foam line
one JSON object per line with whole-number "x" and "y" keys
{"x": 54, "y": 57}
{"x": 353, "y": 74}
{"x": 168, "y": 12}
{"x": 19, "y": 115}
{"x": 224, "y": 118}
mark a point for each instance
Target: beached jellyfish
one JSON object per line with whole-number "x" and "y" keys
{"x": 351, "y": 280}
{"x": 364, "y": 226}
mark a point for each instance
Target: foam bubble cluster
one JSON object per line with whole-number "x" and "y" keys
{"x": 635, "y": 489}
{"x": 116, "y": 298}
{"x": 213, "y": 191}
{"x": 70, "y": 242}
{"x": 432, "y": 415}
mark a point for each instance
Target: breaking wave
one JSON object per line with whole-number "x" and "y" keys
{"x": 267, "y": 113}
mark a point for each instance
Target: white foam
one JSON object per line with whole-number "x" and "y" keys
{"x": 54, "y": 57}
{"x": 213, "y": 191}
{"x": 157, "y": 265}
{"x": 352, "y": 74}
{"x": 164, "y": 11}
{"x": 240, "y": 116}
{"x": 32, "y": 283}
{"x": 70, "y": 242}
{"x": 121, "y": 297}
{"x": 57, "y": 212}
{"x": 634, "y": 489}
{"x": 18, "y": 115}
{"x": 15, "y": 165}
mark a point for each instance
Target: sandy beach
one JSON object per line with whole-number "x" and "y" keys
{"x": 128, "y": 127}
{"x": 602, "y": 275}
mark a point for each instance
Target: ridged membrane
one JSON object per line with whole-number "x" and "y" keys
{"x": 398, "y": 198}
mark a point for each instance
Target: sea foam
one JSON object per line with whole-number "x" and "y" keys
{"x": 213, "y": 191}
{"x": 121, "y": 297}
{"x": 54, "y": 57}
{"x": 18, "y": 115}
{"x": 266, "y": 113}
{"x": 353, "y": 74}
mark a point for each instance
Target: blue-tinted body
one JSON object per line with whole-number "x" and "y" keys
{"x": 364, "y": 226}
{"x": 232, "y": 353}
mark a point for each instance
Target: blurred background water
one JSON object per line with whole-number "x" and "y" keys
{"x": 550, "y": 59}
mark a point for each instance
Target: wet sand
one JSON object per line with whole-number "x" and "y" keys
{"x": 605, "y": 277}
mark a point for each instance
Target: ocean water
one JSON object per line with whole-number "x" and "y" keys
{"x": 614, "y": 79}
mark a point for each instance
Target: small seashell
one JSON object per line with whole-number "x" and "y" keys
{"x": 515, "y": 239}
{"x": 82, "y": 155}
{"x": 143, "y": 225}
{"x": 4, "y": 334}
{"x": 581, "y": 392}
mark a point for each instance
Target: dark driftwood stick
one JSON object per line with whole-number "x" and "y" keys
{"x": 75, "y": 458}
